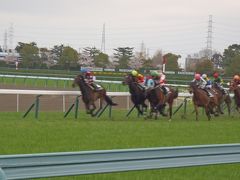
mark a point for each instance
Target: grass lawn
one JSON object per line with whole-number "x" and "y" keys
{"x": 53, "y": 133}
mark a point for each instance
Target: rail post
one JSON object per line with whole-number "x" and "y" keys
{"x": 36, "y": 104}
{"x": 76, "y": 104}
{"x": 129, "y": 112}
{"x": 105, "y": 107}
{"x": 184, "y": 104}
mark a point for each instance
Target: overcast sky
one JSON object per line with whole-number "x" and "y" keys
{"x": 178, "y": 26}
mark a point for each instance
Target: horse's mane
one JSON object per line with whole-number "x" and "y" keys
{"x": 83, "y": 86}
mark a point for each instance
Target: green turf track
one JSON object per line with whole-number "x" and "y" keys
{"x": 53, "y": 133}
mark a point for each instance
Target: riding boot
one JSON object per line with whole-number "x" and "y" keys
{"x": 164, "y": 90}
{"x": 209, "y": 93}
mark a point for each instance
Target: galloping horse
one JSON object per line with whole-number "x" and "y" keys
{"x": 236, "y": 89}
{"x": 158, "y": 100}
{"x": 222, "y": 98}
{"x": 89, "y": 96}
{"x": 138, "y": 96}
{"x": 201, "y": 99}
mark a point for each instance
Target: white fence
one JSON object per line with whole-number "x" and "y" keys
{"x": 19, "y": 92}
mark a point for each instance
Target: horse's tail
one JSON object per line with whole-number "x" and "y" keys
{"x": 109, "y": 101}
{"x": 175, "y": 94}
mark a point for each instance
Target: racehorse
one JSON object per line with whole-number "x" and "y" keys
{"x": 236, "y": 89}
{"x": 201, "y": 99}
{"x": 158, "y": 100}
{"x": 89, "y": 96}
{"x": 222, "y": 98}
{"x": 138, "y": 95}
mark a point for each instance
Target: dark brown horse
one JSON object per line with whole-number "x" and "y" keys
{"x": 138, "y": 94}
{"x": 89, "y": 96}
{"x": 236, "y": 89}
{"x": 201, "y": 99}
{"x": 158, "y": 100}
{"x": 222, "y": 97}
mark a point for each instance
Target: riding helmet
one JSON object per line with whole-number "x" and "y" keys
{"x": 197, "y": 76}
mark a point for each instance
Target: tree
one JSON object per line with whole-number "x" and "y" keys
{"x": 69, "y": 58}
{"x": 157, "y": 59}
{"x": 172, "y": 62}
{"x": 88, "y": 56}
{"x": 204, "y": 66}
{"x": 20, "y": 45}
{"x": 56, "y": 52}
{"x": 123, "y": 56}
{"x": 234, "y": 66}
{"x": 231, "y": 58}
{"x": 137, "y": 61}
{"x": 29, "y": 54}
{"x": 101, "y": 60}
{"x": 147, "y": 63}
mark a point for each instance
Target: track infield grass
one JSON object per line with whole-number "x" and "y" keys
{"x": 52, "y": 133}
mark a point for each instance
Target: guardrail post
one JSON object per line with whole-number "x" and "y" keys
{"x": 76, "y": 107}
{"x": 99, "y": 113}
{"x": 185, "y": 107}
{"x": 76, "y": 104}
{"x": 129, "y": 112}
{"x": 2, "y": 175}
{"x": 184, "y": 104}
{"x": 36, "y": 104}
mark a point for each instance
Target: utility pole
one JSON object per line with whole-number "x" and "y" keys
{"x": 103, "y": 39}
{"x": 209, "y": 37}
{"x": 10, "y": 35}
{"x": 5, "y": 47}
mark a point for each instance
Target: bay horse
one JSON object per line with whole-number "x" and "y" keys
{"x": 89, "y": 96}
{"x": 201, "y": 99}
{"x": 158, "y": 100}
{"x": 236, "y": 89}
{"x": 222, "y": 97}
{"x": 138, "y": 95}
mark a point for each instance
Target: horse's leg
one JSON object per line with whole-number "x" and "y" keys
{"x": 87, "y": 106}
{"x": 196, "y": 111}
{"x": 170, "y": 110}
{"x": 139, "y": 109}
{"x": 94, "y": 107}
{"x": 144, "y": 107}
{"x": 228, "y": 103}
{"x": 207, "y": 110}
{"x": 100, "y": 107}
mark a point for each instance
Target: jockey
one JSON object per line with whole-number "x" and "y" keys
{"x": 155, "y": 77}
{"x": 209, "y": 82}
{"x": 139, "y": 78}
{"x": 162, "y": 83}
{"x": 201, "y": 83}
{"x": 236, "y": 79}
{"x": 218, "y": 80}
{"x": 149, "y": 83}
{"x": 89, "y": 79}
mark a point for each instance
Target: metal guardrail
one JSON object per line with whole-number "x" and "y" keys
{"x": 90, "y": 162}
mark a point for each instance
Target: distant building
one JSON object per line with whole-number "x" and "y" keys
{"x": 9, "y": 58}
{"x": 191, "y": 62}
